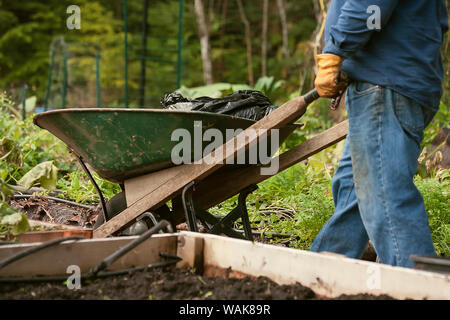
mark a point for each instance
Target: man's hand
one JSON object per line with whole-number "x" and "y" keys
{"x": 328, "y": 80}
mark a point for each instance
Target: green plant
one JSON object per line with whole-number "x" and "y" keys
{"x": 436, "y": 194}
{"x": 12, "y": 223}
{"x": 77, "y": 186}
{"x": 296, "y": 202}
{"x": 271, "y": 88}
{"x": 267, "y": 85}
{"x": 440, "y": 120}
{"x": 36, "y": 157}
{"x": 216, "y": 90}
{"x": 427, "y": 165}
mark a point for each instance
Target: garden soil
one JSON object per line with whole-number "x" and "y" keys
{"x": 161, "y": 284}
{"x": 168, "y": 284}
{"x": 46, "y": 210}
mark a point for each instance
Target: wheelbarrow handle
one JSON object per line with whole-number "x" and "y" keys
{"x": 311, "y": 96}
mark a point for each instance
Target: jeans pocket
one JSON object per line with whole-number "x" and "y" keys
{"x": 362, "y": 87}
{"x": 412, "y": 116}
{"x": 409, "y": 113}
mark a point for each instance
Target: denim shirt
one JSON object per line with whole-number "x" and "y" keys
{"x": 401, "y": 50}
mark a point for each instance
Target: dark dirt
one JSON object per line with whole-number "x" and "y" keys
{"x": 43, "y": 209}
{"x": 169, "y": 284}
{"x": 159, "y": 284}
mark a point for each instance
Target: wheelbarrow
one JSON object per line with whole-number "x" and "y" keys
{"x": 133, "y": 147}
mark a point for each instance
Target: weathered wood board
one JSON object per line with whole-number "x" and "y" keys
{"x": 329, "y": 275}
{"x": 85, "y": 254}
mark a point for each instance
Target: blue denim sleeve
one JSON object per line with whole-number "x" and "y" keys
{"x": 351, "y": 31}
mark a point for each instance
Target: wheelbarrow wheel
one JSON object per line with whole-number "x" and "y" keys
{"x": 118, "y": 203}
{"x": 114, "y": 206}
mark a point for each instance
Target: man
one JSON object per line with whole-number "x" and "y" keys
{"x": 391, "y": 51}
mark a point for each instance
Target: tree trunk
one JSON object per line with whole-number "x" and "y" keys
{"x": 320, "y": 11}
{"x": 248, "y": 41}
{"x": 143, "y": 55}
{"x": 211, "y": 12}
{"x": 284, "y": 27}
{"x": 223, "y": 22}
{"x": 203, "y": 32}
{"x": 318, "y": 43}
{"x": 265, "y": 23}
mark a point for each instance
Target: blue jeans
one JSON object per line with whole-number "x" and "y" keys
{"x": 373, "y": 190}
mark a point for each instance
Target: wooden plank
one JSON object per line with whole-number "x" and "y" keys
{"x": 53, "y": 226}
{"x": 137, "y": 188}
{"x": 329, "y": 275}
{"x": 85, "y": 254}
{"x": 190, "y": 250}
{"x": 314, "y": 145}
{"x": 225, "y": 184}
{"x": 287, "y": 113}
{"x": 42, "y": 236}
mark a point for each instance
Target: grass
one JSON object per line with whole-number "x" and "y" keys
{"x": 436, "y": 194}
{"x": 77, "y": 186}
{"x": 295, "y": 202}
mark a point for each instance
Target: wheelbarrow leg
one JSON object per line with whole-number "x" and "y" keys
{"x": 239, "y": 212}
{"x": 223, "y": 225}
{"x": 209, "y": 221}
{"x": 188, "y": 206}
{"x": 242, "y": 203}
{"x": 100, "y": 194}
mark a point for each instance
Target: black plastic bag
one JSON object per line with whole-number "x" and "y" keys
{"x": 249, "y": 104}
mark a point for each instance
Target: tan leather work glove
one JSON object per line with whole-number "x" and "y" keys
{"x": 328, "y": 80}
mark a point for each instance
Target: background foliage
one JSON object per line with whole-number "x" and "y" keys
{"x": 27, "y": 29}
{"x": 297, "y": 201}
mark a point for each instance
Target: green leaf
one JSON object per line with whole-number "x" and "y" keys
{"x": 11, "y": 219}
{"x": 5, "y": 210}
{"x": 10, "y": 151}
{"x": 49, "y": 181}
{"x": 215, "y": 90}
{"x": 17, "y": 221}
{"x": 45, "y": 172}
{"x": 237, "y": 87}
{"x": 264, "y": 83}
{"x": 5, "y": 190}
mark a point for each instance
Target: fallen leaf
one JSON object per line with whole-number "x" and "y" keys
{"x": 46, "y": 172}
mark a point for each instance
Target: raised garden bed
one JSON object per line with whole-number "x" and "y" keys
{"x": 169, "y": 284}
{"x": 225, "y": 268}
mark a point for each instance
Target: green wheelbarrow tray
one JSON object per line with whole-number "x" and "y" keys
{"x": 120, "y": 144}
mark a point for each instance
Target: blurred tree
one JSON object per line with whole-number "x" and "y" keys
{"x": 203, "y": 31}
{"x": 248, "y": 42}
{"x": 265, "y": 23}
{"x": 284, "y": 27}
{"x": 27, "y": 29}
